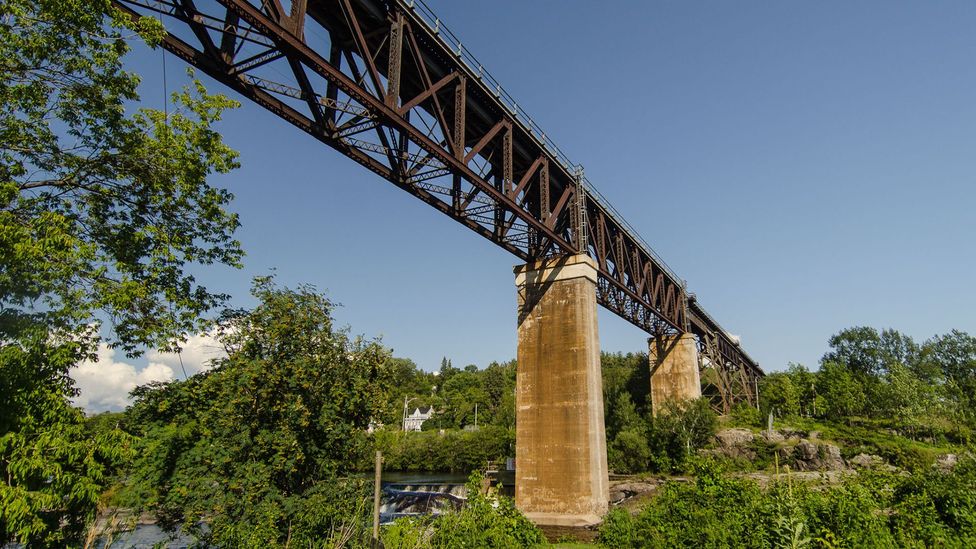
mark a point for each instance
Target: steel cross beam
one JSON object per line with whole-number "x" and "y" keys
{"x": 375, "y": 80}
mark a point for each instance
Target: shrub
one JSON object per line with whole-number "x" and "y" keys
{"x": 629, "y": 452}
{"x": 618, "y": 529}
{"x": 874, "y": 509}
{"x": 482, "y": 523}
{"x": 744, "y": 413}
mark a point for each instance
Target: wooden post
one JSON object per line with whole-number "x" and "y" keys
{"x": 376, "y": 498}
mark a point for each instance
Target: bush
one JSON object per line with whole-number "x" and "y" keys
{"x": 629, "y": 452}
{"x": 874, "y": 509}
{"x": 618, "y": 529}
{"x": 746, "y": 414}
{"x": 677, "y": 431}
{"x": 480, "y": 523}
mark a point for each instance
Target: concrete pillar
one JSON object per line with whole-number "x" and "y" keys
{"x": 674, "y": 370}
{"x": 560, "y": 441}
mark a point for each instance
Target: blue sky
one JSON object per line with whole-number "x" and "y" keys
{"x": 806, "y": 167}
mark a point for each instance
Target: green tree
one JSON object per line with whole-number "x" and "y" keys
{"x": 679, "y": 429}
{"x": 256, "y": 447}
{"x": 907, "y": 400}
{"x": 843, "y": 394}
{"x": 53, "y": 468}
{"x": 101, "y": 211}
{"x": 779, "y": 394}
{"x": 867, "y": 352}
{"x": 954, "y": 354}
{"x": 805, "y": 382}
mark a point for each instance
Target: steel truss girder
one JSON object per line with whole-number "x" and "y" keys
{"x": 389, "y": 93}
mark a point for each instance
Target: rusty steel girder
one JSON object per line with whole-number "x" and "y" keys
{"x": 377, "y": 81}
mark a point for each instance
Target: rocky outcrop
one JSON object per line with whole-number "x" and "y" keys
{"x": 866, "y": 461}
{"x": 800, "y": 454}
{"x": 623, "y": 490}
{"x": 811, "y": 456}
{"x": 772, "y": 437}
{"x": 735, "y": 443}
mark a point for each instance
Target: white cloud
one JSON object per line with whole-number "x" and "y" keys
{"x": 198, "y": 352}
{"x": 105, "y": 383}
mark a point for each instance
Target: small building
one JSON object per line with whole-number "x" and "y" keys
{"x": 415, "y": 421}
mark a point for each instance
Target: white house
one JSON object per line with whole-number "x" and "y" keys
{"x": 414, "y": 421}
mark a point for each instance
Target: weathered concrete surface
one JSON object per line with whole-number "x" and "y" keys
{"x": 560, "y": 443}
{"x": 674, "y": 370}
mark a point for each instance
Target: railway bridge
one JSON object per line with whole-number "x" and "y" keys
{"x": 385, "y": 83}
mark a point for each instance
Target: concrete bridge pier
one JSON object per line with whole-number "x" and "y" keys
{"x": 674, "y": 370}
{"x": 560, "y": 441}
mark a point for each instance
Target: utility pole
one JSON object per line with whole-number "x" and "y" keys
{"x": 475, "y": 415}
{"x": 376, "y": 498}
{"x": 406, "y": 401}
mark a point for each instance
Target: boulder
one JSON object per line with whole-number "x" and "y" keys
{"x": 806, "y": 451}
{"x": 810, "y": 456}
{"x": 622, "y": 491}
{"x": 729, "y": 438}
{"x": 946, "y": 462}
{"x": 831, "y": 459}
{"x": 773, "y": 436}
{"x": 866, "y": 461}
{"x": 735, "y": 443}
{"x": 634, "y": 488}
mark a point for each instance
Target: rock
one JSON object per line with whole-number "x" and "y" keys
{"x": 946, "y": 462}
{"x": 809, "y": 456}
{"x": 806, "y": 450}
{"x": 773, "y": 436}
{"x": 621, "y": 491}
{"x": 634, "y": 488}
{"x": 729, "y": 438}
{"x": 735, "y": 443}
{"x": 785, "y": 453}
{"x": 831, "y": 460}
{"x": 813, "y": 435}
{"x": 866, "y": 461}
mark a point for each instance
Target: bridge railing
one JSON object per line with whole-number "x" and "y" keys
{"x": 433, "y": 22}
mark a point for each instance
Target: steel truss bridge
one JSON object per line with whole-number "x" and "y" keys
{"x": 386, "y": 84}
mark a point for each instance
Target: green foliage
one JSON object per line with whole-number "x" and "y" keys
{"x": 866, "y": 352}
{"x": 629, "y": 452}
{"x": 779, "y": 394}
{"x": 457, "y": 396}
{"x": 407, "y": 533}
{"x": 843, "y": 394}
{"x": 101, "y": 210}
{"x": 871, "y": 510}
{"x": 745, "y": 414}
{"x": 680, "y": 429}
{"x": 257, "y": 446}
{"x": 455, "y": 450}
{"x": 53, "y": 467}
{"x": 485, "y": 523}
{"x": 619, "y": 529}
{"x": 628, "y": 374}
{"x": 918, "y": 391}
